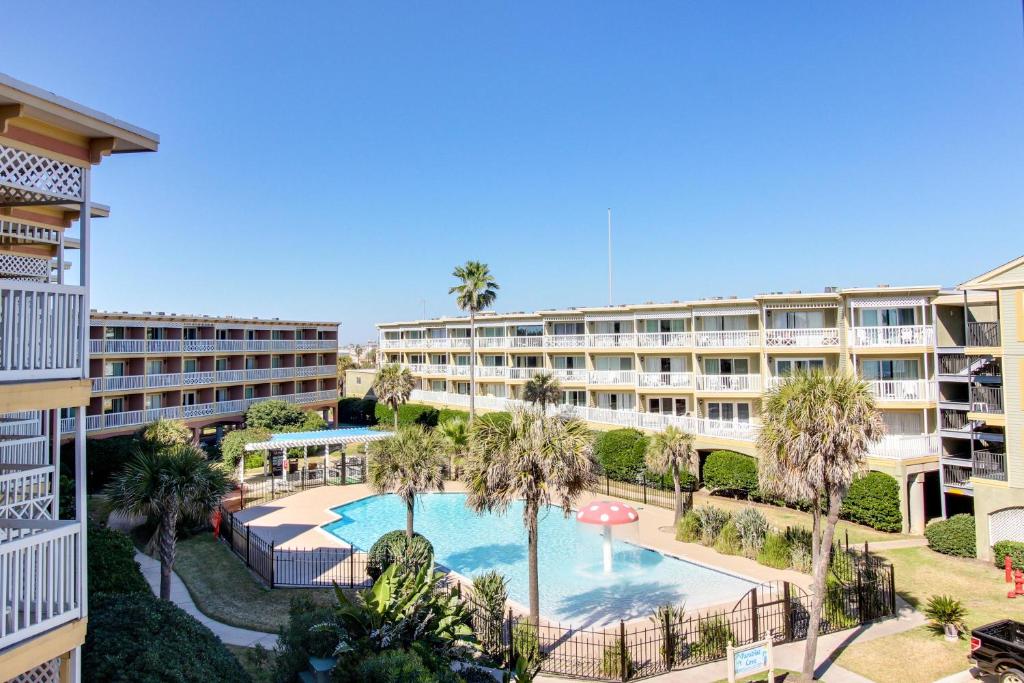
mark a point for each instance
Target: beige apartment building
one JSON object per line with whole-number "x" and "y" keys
{"x": 704, "y": 365}
{"x": 49, "y": 147}
{"x": 204, "y": 370}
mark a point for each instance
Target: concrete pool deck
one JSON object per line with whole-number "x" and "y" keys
{"x": 296, "y": 520}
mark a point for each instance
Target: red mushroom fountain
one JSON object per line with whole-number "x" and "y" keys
{"x": 607, "y": 514}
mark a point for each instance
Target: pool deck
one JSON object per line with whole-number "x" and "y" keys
{"x": 295, "y": 521}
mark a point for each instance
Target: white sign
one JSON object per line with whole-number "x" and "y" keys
{"x": 750, "y": 659}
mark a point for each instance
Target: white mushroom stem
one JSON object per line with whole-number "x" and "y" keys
{"x": 606, "y": 533}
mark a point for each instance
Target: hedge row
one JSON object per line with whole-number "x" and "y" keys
{"x": 874, "y": 500}
{"x": 416, "y": 413}
{"x": 620, "y": 453}
{"x": 357, "y": 411}
{"x": 731, "y": 473}
{"x": 1015, "y": 549}
{"x": 953, "y": 536}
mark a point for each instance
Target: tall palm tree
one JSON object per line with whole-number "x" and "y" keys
{"x": 168, "y": 485}
{"x": 542, "y": 389}
{"x": 816, "y": 429}
{"x": 393, "y": 384}
{"x": 408, "y": 464}
{"x": 672, "y": 451}
{"x": 476, "y": 291}
{"x": 531, "y": 457}
{"x": 455, "y": 434}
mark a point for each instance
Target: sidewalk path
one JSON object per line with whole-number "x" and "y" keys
{"x": 232, "y": 635}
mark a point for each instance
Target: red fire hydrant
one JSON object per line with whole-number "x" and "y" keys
{"x": 215, "y": 520}
{"x": 1008, "y": 567}
{"x": 1018, "y": 582}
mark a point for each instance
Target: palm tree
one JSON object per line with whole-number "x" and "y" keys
{"x": 408, "y": 464}
{"x": 393, "y": 384}
{"x": 542, "y": 389}
{"x": 531, "y": 457}
{"x": 672, "y": 451}
{"x": 168, "y": 485}
{"x": 816, "y": 429}
{"x": 455, "y": 433}
{"x": 476, "y": 291}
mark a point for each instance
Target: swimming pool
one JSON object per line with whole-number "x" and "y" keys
{"x": 573, "y": 587}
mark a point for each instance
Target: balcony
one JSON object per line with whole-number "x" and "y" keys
{"x": 891, "y": 390}
{"x": 390, "y": 344}
{"x": 199, "y": 345}
{"x": 668, "y": 380}
{"x": 434, "y": 369}
{"x": 40, "y": 577}
{"x": 983, "y": 334}
{"x": 730, "y": 339}
{"x": 801, "y": 338}
{"x": 903, "y": 446}
{"x": 491, "y": 371}
{"x": 121, "y": 383}
{"x": 990, "y": 465}
{"x": 230, "y": 345}
{"x": 222, "y": 376}
{"x": 163, "y": 345}
{"x": 570, "y": 375}
{"x": 725, "y": 383}
{"x": 612, "y": 377}
{"x": 893, "y": 336}
{"x": 491, "y": 342}
{"x": 195, "y": 378}
{"x": 26, "y": 490}
{"x": 526, "y": 342}
{"x": 986, "y": 399}
{"x": 565, "y": 341}
{"x": 257, "y": 344}
{"x": 458, "y": 342}
{"x": 601, "y": 341}
{"x": 956, "y": 475}
{"x": 526, "y": 373}
{"x": 163, "y": 380}
{"x": 256, "y": 374}
{"x": 40, "y": 330}
{"x": 664, "y": 340}
{"x": 282, "y": 373}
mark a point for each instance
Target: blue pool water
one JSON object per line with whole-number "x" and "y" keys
{"x": 573, "y": 587}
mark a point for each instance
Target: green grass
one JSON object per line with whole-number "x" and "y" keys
{"x": 223, "y": 588}
{"x": 781, "y": 675}
{"x": 244, "y": 656}
{"x": 920, "y": 574}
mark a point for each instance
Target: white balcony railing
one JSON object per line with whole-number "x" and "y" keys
{"x": 565, "y": 341}
{"x": 664, "y": 339}
{"x": 282, "y": 373}
{"x": 257, "y": 344}
{"x": 120, "y": 383}
{"x": 26, "y": 491}
{"x": 799, "y": 338}
{"x": 901, "y": 335}
{"x": 612, "y": 340}
{"x": 230, "y": 376}
{"x": 199, "y": 345}
{"x": 458, "y": 342}
{"x": 676, "y": 380}
{"x": 570, "y": 374}
{"x": 254, "y": 374}
{"x": 525, "y": 342}
{"x": 491, "y": 342}
{"x": 230, "y": 345}
{"x": 163, "y": 345}
{"x": 486, "y": 371}
{"x": 390, "y": 343}
{"x": 23, "y": 449}
{"x": 40, "y": 577}
{"x": 193, "y": 378}
{"x": 526, "y": 373}
{"x": 903, "y": 446}
{"x": 729, "y": 382}
{"x": 40, "y": 330}
{"x": 458, "y": 371}
{"x": 728, "y": 339}
{"x": 902, "y": 389}
{"x": 163, "y": 379}
{"x": 611, "y": 377}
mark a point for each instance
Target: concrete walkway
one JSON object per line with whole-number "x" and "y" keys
{"x": 790, "y": 656}
{"x": 232, "y": 635}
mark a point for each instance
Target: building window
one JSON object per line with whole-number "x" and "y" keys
{"x": 113, "y": 333}
{"x": 249, "y": 393}
{"x": 726, "y": 366}
{"x": 113, "y": 405}
{"x": 887, "y": 317}
{"x": 188, "y": 398}
{"x": 787, "y": 366}
{"x": 113, "y": 369}
{"x": 191, "y": 365}
{"x": 728, "y": 412}
{"x": 154, "y": 401}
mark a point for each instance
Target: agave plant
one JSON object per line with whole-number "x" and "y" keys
{"x": 668, "y": 618}
{"x": 946, "y": 615}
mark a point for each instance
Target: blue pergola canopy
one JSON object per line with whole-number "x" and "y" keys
{"x": 324, "y": 437}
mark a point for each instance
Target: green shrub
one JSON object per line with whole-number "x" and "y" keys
{"x": 452, "y": 414}
{"x": 732, "y": 473}
{"x": 715, "y": 636}
{"x": 687, "y": 482}
{"x": 728, "y": 541}
{"x": 165, "y": 433}
{"x": 111, "y": 563}
{"x": 274, "y": 415}
{"x": 298, "y": 641}
{"x": 395, "y": 547}
{"x": 394, "y": 666}
{"x": 490, "y": 594}
{"x": 945, "y": 609}
{"x": 801, "y": 557}
{"x": 837, "y": 603}
{"x": 752, "y": 527}
{"x": 474, "y": 674}
{"x": 688, "y": 530}
{"x": 106, "y": 458}
{"x": 874, "y": 500}
{"x": 621, "y": 453}
{"x": 953, "y": 536}
{"x": 611, "y": 662}
{"x": 232, "y": 446}
{"x": 775, "y": 552}
{"x": 408, "y": 414}
{"x": 712, "y": 520}
{"x": 1015, "y": 549}
{"x": 137, "y": 638}
{"x": 526, "y": 642}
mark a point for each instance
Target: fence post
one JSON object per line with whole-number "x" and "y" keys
{"x": 787, "y": 608}
{"x": 644, "y": 480}
{"x": 248, "y": 549}
{"x": 755, "y": 627}
{"x": 352, "y": 568}
{"x": 302, "y": 478}
{"x": 344, "y": 468}
{"x": 273, "y": 480}
{"x": 271, "y": 564}
{"x": 622, "y": 650}
{"x": 511, "y": 641}
{"x": 861, "y": 602}
{"x": 892, "y": 589}
{"x": 241, "y": 493}
{"x": 607, "y": 486}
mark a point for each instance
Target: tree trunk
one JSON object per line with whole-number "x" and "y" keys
{"x": 679, "y": 495}
{"x": 409, "y": 512}
{"x": 821, "y": 552}
{"x": 472, "y": 364}
{"x": 531, "y": 533}
{"x": 394, "y": 414}
{"x": 167, "y": 548}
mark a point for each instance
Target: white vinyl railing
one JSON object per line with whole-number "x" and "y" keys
{"x": 678, "y": 380}
{"x": 199, "y": 345}
{"x": 230, "y": 344}
{"x": 26, "y": 491}
{"x": 611, "y": 377}
{"x": 491, "y": 342}
{"x": 565, "y": 341}
{"x": 485, "y": 371}
{"x": 570, "y": 374}
{"x": 163, "y": 345}
{"x": 526, "y": 342}
{"x": 40, "y": 577}
{"x": 900, "y": 335}
{"x": 729, "y": 382}
{"x": 105, "y": 346}
{"x": 121, "y": 383}
{"x": 40, "y": 330}
{"x": 257, "y": 344}
{"x": 901, "y": 389}
{"x": 230, "y": 375}
{"x": 282, "y": 373}
{"x": 807, "y": 337}
{"x": 613, "y": 340}
{"x": 191, "y": 378}
{"x": 257, "y": 374}
{"x": 525, "y": 373}
{"x": 664, "y": 339}
{"x": 728, "y": 339}
{"x": 903, "y": 446}
{"x": 16, "y": 425}
{"x": 23, "y": 450}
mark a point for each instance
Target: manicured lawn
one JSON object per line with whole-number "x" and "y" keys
{"x": 921, "y": 573}
{"x": 782, "y": 517}
{"x": 225, "y": 590}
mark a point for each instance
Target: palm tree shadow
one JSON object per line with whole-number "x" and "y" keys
{"x": 609, "y": 604}
{"x": 482, "y": 557}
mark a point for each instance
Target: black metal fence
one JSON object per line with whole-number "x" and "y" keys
{"x": 642, "y": 491}
{"x": 293, "y": 567}
{"x": 349, "y": 470}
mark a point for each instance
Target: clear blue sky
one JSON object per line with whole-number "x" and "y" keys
{"x": 335, "y": 161}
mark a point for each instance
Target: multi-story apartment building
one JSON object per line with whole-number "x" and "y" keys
{"x": 204, "y": 370}
{"x": 48, "y": 148}
{"x": 704, "y": 365}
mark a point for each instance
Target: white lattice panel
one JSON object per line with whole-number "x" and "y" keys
{"x": 26, "y": 177}
{"x": 47, "y": 672}
{"x": 889, "y": 302}
{"x": 24, "y": 267}
{"x": 1006, "y": 525}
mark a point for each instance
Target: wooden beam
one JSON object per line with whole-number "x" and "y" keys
{"x": 47, "y": 395}
{"x": 8, "y": 112}
{"x": 25, "y": 656}
{"x": 99, "y": 148}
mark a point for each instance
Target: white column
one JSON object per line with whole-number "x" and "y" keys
{"x": 84, "y": 272}
{"x": 916, "y": 503}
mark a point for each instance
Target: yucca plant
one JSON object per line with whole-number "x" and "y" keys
{"x": 946, "y": 614}
{"x": 668, "y": 619}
